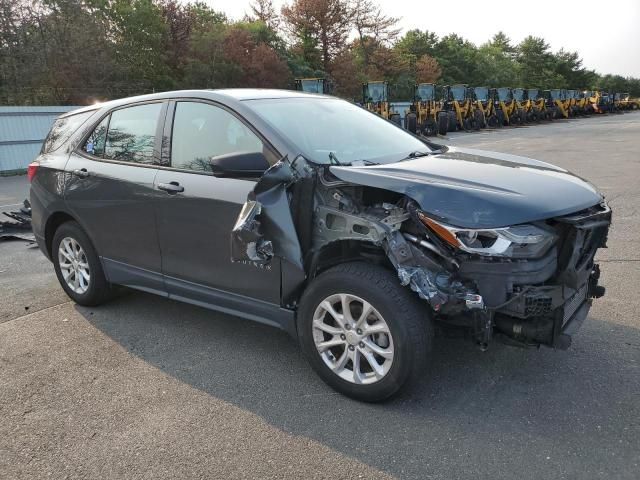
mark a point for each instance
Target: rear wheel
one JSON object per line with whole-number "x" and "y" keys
{"x": 78, "y": 267}
{"x": 363, "y": 333}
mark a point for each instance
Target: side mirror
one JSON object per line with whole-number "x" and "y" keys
{"x": 239, "y": 165}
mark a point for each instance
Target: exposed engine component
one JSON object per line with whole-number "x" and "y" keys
{"x": 530, "y": 282}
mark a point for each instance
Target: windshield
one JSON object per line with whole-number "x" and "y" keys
{"x": 312, "y": 86}
{"x": 376, "y": 92}
{"x": 555, "y": 94}
{"x": 482, "y": 93}
{"x": 518, "y": 94}
{"x": 457, "y": 92}
{"x": 533, "y": 94}
{"x": 426, "y": 91}
{"x": 504, "y": 94}
{"x": 320, "y": 126}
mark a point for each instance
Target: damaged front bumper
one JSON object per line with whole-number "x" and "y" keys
{"x": 297, "y": 212}
{"x": 544, "y": 301}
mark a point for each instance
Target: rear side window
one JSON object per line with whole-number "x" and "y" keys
{"x": 96, "y": 141}
{"x": 62, "y": 129}
{"x": 131, "y": 134}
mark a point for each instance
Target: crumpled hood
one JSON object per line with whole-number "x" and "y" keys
{"x": 479, "y": 189}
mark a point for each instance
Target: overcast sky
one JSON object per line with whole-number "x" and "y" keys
{"x": 605, "y": 33}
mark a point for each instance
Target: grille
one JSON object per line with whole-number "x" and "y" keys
{"x": 574, "y": 302}
{"x": 536, "y": 306}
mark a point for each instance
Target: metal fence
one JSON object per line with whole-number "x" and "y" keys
{"x": 22, "y": 131}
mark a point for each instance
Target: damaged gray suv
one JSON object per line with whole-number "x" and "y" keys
{"x": 310, "y": 214}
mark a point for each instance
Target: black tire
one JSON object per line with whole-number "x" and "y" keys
{"x": 534, "y": 117}
{"x": 501, "y": 118}
{"x": 479, "y": 119}
{"x": 99, "y": 290}
{"x": 430, "y": 127}
{"x": 492, "y": 121}
{"x": 412, "y": 122}
{"x": 453, "y": 121}
{"x": 395, "y": 118}
{"x": 443, "y": 123}
{"x": 407, "y": 317}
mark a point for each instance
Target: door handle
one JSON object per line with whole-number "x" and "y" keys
{"x": 81, "y": 173}
{"x": 171, "y": 187}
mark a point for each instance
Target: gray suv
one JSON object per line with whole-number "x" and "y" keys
{"x": 315, "y": 216}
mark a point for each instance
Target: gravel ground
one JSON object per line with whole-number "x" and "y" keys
{"x": 145, "y": 387}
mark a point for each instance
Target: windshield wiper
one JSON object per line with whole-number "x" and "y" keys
{"x": 361, "y": 162}
{"x": 416, "y": 154}
{"x": 333, "y": 159}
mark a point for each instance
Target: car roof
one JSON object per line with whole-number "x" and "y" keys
{"x": 228, "y": 94}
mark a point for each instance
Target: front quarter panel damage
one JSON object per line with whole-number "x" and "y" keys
{"x": 530, "y": 300}
{"x": 266, "y": 229}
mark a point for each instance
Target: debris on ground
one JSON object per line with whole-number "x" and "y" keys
{"x": 19, "y": 225}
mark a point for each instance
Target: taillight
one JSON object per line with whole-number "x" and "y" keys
{"x": 32, "y": 168}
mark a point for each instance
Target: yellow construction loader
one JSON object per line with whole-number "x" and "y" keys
{"x": 484, "y": 103}
{"x": 507, "y": 107}
{"x": 422, "y": 116}
{"x": 555, "y": 101}
{"x": 375, "y": 98}
{"x": 457, "y": 102}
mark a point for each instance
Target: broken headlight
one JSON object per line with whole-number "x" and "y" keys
{"x": 519, "y": 241}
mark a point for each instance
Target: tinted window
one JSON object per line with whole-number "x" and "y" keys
{"x": 202, "y": 131}
{"x": 132, "y": 133}
{"x": 96, "y": 141}
{"x": 62, "y": 129}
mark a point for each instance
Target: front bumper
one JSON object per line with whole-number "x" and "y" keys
{"x": 545, "y": 301}
{"x": 541, "y": 322}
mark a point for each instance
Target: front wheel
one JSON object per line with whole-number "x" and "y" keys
{"x": 363, "y": 333}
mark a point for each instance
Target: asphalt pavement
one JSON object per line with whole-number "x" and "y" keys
{"x": 145, "y": 387}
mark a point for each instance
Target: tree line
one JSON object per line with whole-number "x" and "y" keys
{"x": 80, "y": 51}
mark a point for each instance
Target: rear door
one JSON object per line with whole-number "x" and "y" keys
{"x": 196, "y": 211}
{"x": 111, "y": 192}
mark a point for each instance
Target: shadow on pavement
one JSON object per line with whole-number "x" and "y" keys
{"x": 548, "y": 413}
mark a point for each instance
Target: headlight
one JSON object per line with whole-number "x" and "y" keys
{"x": 519, "y": 241}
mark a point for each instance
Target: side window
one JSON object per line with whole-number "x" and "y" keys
{"x": 202, "y": 131}
{"x": 132, "y": 133}
{"x": 62, "y": 129}
{"x": 96, "y": 141}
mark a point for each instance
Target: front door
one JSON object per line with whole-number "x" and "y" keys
{"x": 196, "y": 211}
{"x": 111, "y": 193}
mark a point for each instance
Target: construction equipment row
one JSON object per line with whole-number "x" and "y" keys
{"x": 441, "y": 109}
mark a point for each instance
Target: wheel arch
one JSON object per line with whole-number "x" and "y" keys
{"x": 345, "y": 251}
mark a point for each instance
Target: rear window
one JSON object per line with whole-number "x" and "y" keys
{"x": 62, "y": 129}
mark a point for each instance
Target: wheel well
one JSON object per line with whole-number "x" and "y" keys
{"x": 343, "y": 251}
{"x": 54, "y": 221}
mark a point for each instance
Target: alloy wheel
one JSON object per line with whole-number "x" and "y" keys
{"x": 74, "y": 265}
{"x": 353, "y": 339}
